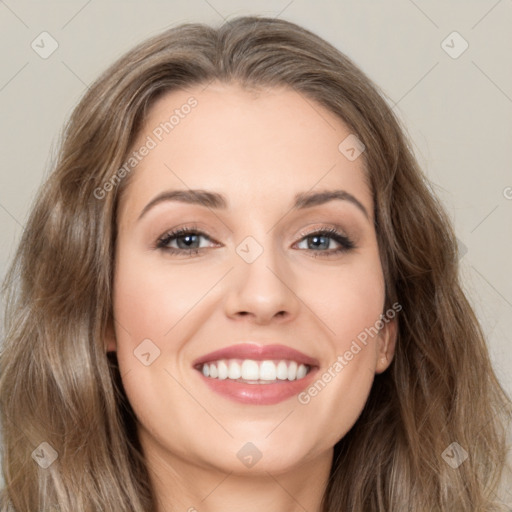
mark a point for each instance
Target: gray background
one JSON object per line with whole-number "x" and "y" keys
{"x": 458, "y": 111}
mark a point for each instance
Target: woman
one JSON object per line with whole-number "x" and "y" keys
{"x": 237, "y": 291}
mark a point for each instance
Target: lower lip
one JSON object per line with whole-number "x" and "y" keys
{"x": 259, "y": 394}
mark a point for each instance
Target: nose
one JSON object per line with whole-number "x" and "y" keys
{"x": 262, "y": 291}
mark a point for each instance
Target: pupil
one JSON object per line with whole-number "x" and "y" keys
{"x": 188, "y": 239}
{"x": 316, "y": 238}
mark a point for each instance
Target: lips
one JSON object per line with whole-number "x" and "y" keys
{"x": 257, "y": 353}
{"x": 257, "y": 392}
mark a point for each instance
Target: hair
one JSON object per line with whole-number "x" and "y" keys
{"x": 59, "y": 386}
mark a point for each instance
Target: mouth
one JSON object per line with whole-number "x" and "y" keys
{"x": 254, "y": 374}
{"x": 251, "y": 371}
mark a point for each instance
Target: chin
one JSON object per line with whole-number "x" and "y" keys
{"x": 259, "y": 456}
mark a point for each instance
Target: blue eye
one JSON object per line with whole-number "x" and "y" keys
{"x": 186, "y": 241}
{"x": 321, "y": 239}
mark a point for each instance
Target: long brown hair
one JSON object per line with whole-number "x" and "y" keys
{"x": 61, "y": 396}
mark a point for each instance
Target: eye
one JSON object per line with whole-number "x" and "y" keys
{"x": 321, "y": 239}
{"x": 187, "y": 241}
{"x": 182, "y": 241}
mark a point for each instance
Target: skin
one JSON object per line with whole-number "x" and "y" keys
{"x": 259, "y": 150}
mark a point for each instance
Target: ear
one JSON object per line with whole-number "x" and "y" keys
{"x": 110, "y": 337}
{"x": 386, "y": 343}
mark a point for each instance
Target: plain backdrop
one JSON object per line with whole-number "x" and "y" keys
{"x": 446, "y": 68}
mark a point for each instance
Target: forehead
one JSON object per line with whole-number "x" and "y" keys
{"x": 252, "y": 146}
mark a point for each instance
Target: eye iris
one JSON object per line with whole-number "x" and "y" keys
{"x": 316, "y": 238}
{"x": 188, "y": 238}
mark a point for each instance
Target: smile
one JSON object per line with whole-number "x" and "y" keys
{"x": 251, "y": 371}
{"x": 254, "y": 374}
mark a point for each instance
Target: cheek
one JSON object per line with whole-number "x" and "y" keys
{"x": 148, "y": 302}
{"x": 350, "y": 306}
{"x": 151, "y": 299}
{"x": 351, "y": 301}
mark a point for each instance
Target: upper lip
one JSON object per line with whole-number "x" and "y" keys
{"x": 257, "y": 353}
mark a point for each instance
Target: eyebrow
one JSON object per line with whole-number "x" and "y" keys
{"x": 215, "y": 200}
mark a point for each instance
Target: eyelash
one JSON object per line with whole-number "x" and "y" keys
{"x": 346, "y": 244}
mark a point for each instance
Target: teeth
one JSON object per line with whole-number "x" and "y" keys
{"x": 254, "y": 371}
{"x": 301, "y": 371}
{"x": 282, "y": 370}
{"x": 268, "y": 370}
{"x": 234, "y": 372}
{"x": 223, "y": 370}
{"x": 292, "y": 371}
{"x": 250, "y": 370}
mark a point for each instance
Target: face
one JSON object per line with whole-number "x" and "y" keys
{"x": 288, "y": 285}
